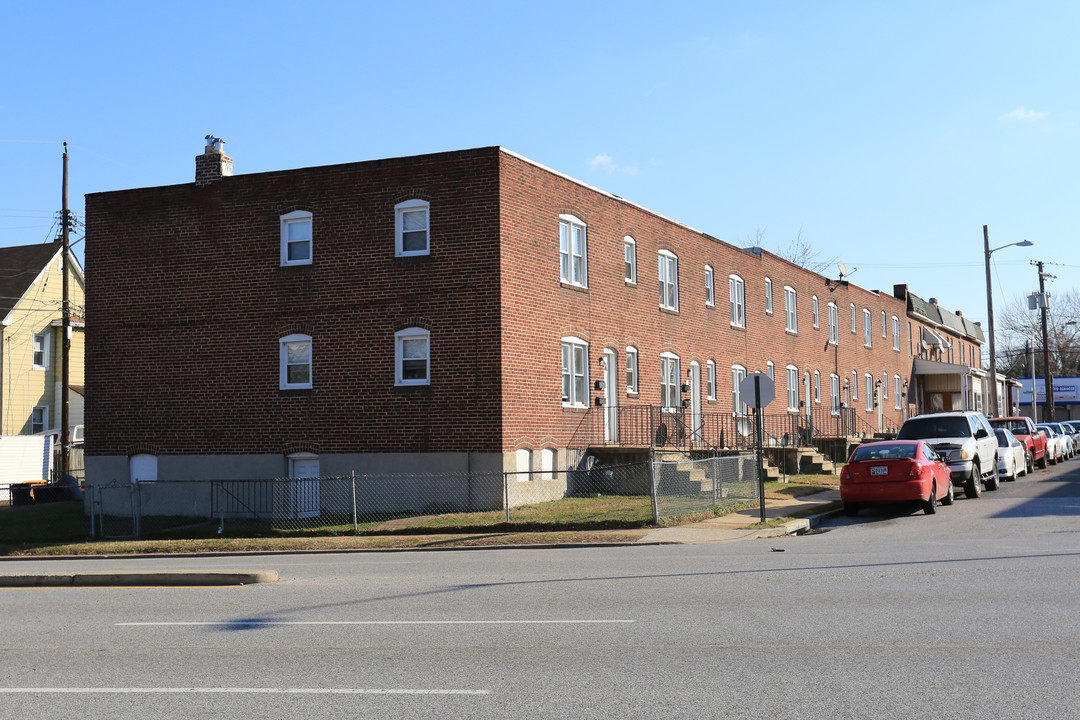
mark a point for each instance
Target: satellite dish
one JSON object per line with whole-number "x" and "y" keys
{"x": 843, "y": 268}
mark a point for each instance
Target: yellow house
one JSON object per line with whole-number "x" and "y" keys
{"x": 31, "y": 333}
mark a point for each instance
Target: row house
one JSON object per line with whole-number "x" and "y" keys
{"x": 463, "y": 311}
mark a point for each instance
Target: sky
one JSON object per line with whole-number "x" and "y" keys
{"x": 884, "y": 135}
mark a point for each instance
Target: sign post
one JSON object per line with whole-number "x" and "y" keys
{"x": 760, "y": 390}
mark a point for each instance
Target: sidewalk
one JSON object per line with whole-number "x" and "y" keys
{"x": 733, "y": 526}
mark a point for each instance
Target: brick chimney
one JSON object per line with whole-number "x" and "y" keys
{"x": 213, "y": 164}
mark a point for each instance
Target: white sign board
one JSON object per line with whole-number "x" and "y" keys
{"x": 766, "y": 389}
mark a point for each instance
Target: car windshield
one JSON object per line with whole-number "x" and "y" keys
{"x": 1048, "y": 430}
{"x": 1014, "y": 426}
{"x": 885, "y": 452}
{"x": 934, "y": 427}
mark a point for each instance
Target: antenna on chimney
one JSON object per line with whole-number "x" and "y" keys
{"x": 833, "y": 284}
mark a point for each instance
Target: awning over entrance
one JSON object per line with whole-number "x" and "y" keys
{"x": 932, "y": 367}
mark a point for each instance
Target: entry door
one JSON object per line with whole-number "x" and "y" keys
{"x": 611, "y": 396}
{"x": 695, "y": 402}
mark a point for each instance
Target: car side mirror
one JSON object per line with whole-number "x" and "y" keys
{"x": 981, "y": 433}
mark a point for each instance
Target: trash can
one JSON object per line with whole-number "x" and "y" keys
{"x": 20, "y": 494}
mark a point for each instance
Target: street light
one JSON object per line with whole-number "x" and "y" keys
{"x": 990, "y": 314}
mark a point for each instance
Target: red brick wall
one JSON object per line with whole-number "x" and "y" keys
{"x": 188, "y": 301}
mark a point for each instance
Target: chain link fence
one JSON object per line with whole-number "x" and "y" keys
{"x": 593, "y": 495}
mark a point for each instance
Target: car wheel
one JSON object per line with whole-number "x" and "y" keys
{"x": 949, "y": 496}
{"x": 851, "y": 509}
{"x": 973, "y": 486}
{"x": 1029, "y": 465}
{"x": 1042, "y": 461}
{"x": 930, "y": 506}
{"x": 993, "y": 482}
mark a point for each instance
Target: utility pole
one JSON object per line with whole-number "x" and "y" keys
{"x": 1048, "y": 374}
{"x": 990, "y": 319}
{"x": 65, "y": 340}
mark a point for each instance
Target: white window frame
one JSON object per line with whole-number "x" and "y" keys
{"x": 668, "y": 275}
{"x": 770, "y": 370}
{"x": 630, "y": 260}
{"x": 738, "y": 374}
{"x": 868, "y": 379}
{"x": 816, "y": 311}
{"x": 631, "y": 370}
{"x": 834, "y": 393}
{"x": 573, "y": 251}
{"x": 710, "y": 295}
{"x": 287, "y": 220}
{"x": 868, "y": 328}
{"x": 854, "y": 321}
{"x": 792, "y": 387}
{"x": 39, "y": 426}
{"x": 575, "y": 370}
{"x": 834, "y": 324}
{"x": 303, "y": 458}
{"x": 400, "y": 338}
{"x": 710, "y": 380}
{"x": 817, "y": 387}
{"x": 737, "y": 300}
{"x": 670, "y": 380}
{"x": 884, "y": 326}
{"x": 284, "y": 364}
{"x": 791, "y": 310}
{"x": 768, "y": 296}
{"x": 400, "y": 211}
{"x": 897, "y": 392}
{"x": 885, "y": 386}
{"x": 854, "y": 384}
{"x": 896, "y": 333}
{"x": 40, "y": 344}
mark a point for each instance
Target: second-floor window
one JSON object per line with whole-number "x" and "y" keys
{"x": 814, "y": 308}
{"x": 296, "y": 238}
{"x": 411, "y": 228}
{"x": 41, "y": 351}
{"x": 791, "y": 313}
{"x": 896, "y": 333}
{"x": 630, "y": 260}
{"x": 737, "y": 299}
{"x": 412, "y": 357}
{"x": 834, "y": 324}
{"x": 868, "y": 331}
{"x": 669, "y": 280}
{"x": 572, "y": 251}
{"x": 295, "y": 362}
{"x": 768, "y": 296}
{"x": 709, "y": 295}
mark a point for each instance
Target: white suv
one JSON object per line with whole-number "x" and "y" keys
{"x": 965, "y": 440}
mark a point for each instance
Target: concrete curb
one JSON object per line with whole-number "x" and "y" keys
{"x": 175, "y": 578}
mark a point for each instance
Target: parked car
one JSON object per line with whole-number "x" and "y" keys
{"x": 1025, "y": 431}
{"x": 965, "y": 441}
{"x": 1012, "y": 455}
{"x": 1072, "y": 440}
{"x": 895, "y": 471}
{"x": 1055, "y": 444}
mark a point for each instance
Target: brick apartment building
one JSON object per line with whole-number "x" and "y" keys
{"x": 464, "y": 311}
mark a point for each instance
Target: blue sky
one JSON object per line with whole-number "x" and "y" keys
{"x": 887, "y": 134}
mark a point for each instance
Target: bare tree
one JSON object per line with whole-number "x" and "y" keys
{"x": 802, "y": 252}
{"x": 1020, "y": 327}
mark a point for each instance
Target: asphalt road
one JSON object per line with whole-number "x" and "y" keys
{"x": 970, "y": 613}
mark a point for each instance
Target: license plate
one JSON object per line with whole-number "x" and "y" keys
{"x": 879, "y": 470}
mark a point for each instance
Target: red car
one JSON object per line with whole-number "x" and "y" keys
{"x": 895, "y": 471}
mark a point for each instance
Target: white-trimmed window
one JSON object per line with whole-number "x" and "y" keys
{"x": 709, "y": 294}
{"x": 816, "y": 311}
{"x": 573, "y": 251}
{"x": 411, "y": 236}
{"x": 737, "y": 299}
{"x": 670, "y": 378}
{"x": 854, "y": 385}
{"x": 854, "y": 326}
{"x": 412, "y": 357}
{"x": 791, "y": 313}
{"x": 896, "y": 333}
{"x": 738, "y": 374}
{"x": 792, "y": 387}
{"x": 629, "y": 249}
{"x": 575, "y": 372}
{"x": 834, "y": 324}
{"x": 868, "y": 331}
{"x": 884, "y": 327}
{"x": 834, "y": 393}
{"x": 817, "y": 386}
{"x": 669, "y": 280}
{"x": 710, "y": 380}
{"x": 868, "y": 379}
{"x": 885, "y": 386}
{"x": 39, "y": 419}
{"x": 770, "y": 370}
{"x": 296, "y": 238}
{"x": 631, "y": 371}
{"x": 305, "y": 466}
{"x": 41, "y": 351}
{"x": 768, "y": 296}
{"x": 897, "y": 392}
{"x": 295, "y": 362}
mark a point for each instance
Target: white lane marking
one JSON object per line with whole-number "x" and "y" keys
{"x": 238, "y": 690}
{"x": 262, "y": 623}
